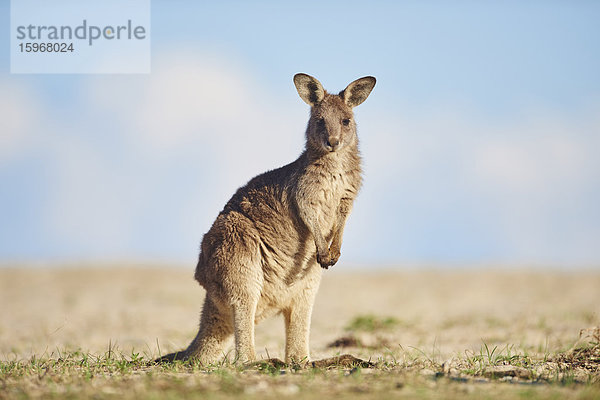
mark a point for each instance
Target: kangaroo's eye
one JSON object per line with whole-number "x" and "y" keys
{"x": 346, "y": 122}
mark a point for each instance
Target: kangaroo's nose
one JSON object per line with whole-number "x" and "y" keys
{"x": 333, "y": 143}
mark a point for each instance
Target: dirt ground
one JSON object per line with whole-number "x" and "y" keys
{"x": 42, "y": 310}
{"x": 440, "y": 314}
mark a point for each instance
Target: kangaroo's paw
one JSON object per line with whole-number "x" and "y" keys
{"x": 328, "y": 259}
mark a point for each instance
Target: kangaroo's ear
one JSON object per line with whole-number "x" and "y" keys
{"x": 309, "y": 89}
{"x": 358, "y": 91}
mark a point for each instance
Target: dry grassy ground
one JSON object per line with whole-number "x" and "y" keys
{"x": 88, "y": 332}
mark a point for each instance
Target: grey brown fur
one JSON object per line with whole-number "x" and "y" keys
{"x": 262, "y": 254}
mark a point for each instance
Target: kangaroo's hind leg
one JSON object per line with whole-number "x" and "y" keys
{"x": 297, "y": 321}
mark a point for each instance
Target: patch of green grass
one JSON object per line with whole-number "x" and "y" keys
{"x": 493, "y": 356}
{"x": 404, "y": 373}
{"x": 371, "y": 323}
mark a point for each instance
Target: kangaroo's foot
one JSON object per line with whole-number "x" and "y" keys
{"x": 169, "y": 358}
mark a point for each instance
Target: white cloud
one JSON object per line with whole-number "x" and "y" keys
{"x": 90, "y": 204}
{"x": 20, "y": 113}
{"x": 208, "y": 106}
{"x": 538, "y": 157}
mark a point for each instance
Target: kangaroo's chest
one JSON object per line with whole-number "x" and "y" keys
{"x": 330, "y": 190}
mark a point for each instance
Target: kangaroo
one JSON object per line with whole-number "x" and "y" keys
{"x": 265, "y": 252}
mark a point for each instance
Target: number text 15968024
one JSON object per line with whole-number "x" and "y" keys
{"x": 46, "y": 47}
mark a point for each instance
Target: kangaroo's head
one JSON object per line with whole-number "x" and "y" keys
{"x": 331, "y": 126}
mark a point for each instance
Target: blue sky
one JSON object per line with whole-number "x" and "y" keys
{"x": 480, "y": 139}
